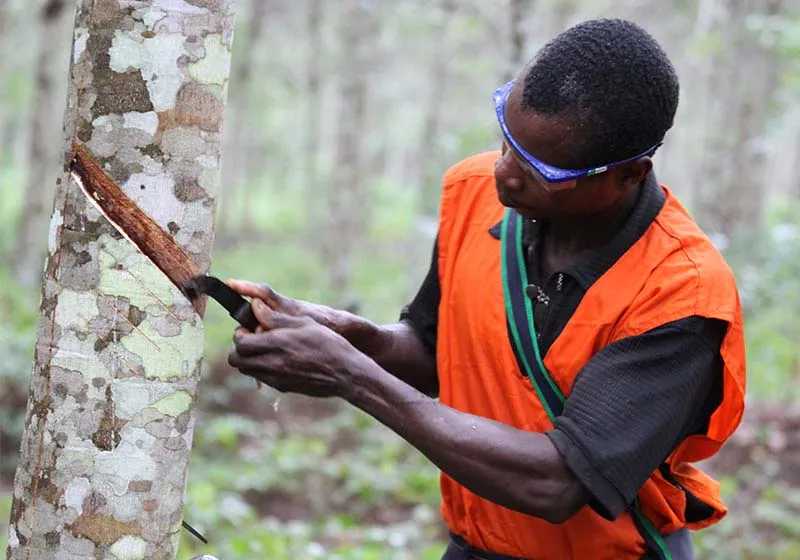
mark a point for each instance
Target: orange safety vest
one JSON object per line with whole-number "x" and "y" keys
{"x": 671, "y": 272}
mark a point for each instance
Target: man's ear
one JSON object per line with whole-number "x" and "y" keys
{"x": 632, "y": 174}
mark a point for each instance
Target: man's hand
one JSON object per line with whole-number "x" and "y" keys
{"x": 361, "y": 333}
{"x": 296, "y": 355}
{"x": 396, "y": 347}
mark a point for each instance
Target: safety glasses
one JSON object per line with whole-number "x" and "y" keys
{"x": 549, "y": 173}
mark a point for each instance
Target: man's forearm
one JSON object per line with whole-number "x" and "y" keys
{"x": 395, "y": 347}
{"x": 519, "y": 470}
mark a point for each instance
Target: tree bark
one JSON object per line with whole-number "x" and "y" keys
{"x": 110, "y": 416}
{"x": 42, "y": 149}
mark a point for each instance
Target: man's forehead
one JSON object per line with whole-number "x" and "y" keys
{"x": 550, "y": 138}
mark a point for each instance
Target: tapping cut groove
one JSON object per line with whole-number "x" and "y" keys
{"x": 136, "y": 226}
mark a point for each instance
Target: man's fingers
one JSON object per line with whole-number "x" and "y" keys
{"x": 263, "y": 314}
{"x": 249, "y": 344}
{"x": 261, "y": 363}
{"x": 259, "y": 291}
{"x": 271, "y": 319}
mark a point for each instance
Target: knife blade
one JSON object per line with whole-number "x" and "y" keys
{"x": 236, "y": 305}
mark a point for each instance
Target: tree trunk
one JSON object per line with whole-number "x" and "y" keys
{"x": 250, "y": 129}
{"x": 5, "y": 44}
{"x": 347, "y": 202}
{"x": 42, "y": 147}
{"x": 730, "y": 201}
{"x": 519, "y": 12}
{"x": 110, "y": 416}
{"x": 313, "y": 110}
{"x": 15, "y": 70}
{"x": 5, "y": 14}
{"x": 795, "y": 190}
{"x": 430, "y": 164}
{"x": 244, "y": 140}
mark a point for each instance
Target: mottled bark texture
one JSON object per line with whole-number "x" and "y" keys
{"x": 109, "y": 421}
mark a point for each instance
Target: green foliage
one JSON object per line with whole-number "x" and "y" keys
{"x": 767, "y": 530}
{"x": 394, "y": 211}
{"x": 10, "y": 203}
{"x": 333, "y": 483}
{"x": 706, "y": 45}
{"x": 19, "y": 308}
{"x": 5, "y": 514}
{"x": 768, "y": 276}
{"x": 320, "y": 488}
{"x": 781, "y": 35}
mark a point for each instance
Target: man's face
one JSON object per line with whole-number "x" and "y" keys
{"x": 552, "y": 140}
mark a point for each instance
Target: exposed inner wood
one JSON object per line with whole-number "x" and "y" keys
{"x": 136, "y": 226}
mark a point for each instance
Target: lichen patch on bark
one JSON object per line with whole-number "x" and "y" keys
{"x": 102, "y": 529}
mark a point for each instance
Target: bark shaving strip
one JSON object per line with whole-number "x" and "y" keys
{"x": 109, "y": 421}
{"x": 133, "y": 224}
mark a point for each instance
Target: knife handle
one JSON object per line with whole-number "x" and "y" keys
{"x": 245, "y": 317}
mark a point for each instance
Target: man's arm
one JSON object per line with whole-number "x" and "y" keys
{"x": 629, "y": 407}
{"x": 398, "y": 349}
{"x": 406, "y": 349}
{"x": 517, "y": 469}
{"x": 634, "y": 402}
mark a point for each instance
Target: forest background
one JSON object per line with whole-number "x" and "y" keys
{"x": 342, "y": 117}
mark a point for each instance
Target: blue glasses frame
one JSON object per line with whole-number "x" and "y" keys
{"x": 549, "y": 173}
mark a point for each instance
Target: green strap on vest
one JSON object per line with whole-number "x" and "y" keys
{"x": 522, "y": 331}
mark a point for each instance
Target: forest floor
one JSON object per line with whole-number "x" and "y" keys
{"x": 316, "y": 479}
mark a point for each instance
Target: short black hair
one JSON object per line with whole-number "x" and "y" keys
{"x": 610, "y": 77}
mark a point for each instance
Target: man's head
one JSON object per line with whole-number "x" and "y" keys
{"x": 599, "y": 93}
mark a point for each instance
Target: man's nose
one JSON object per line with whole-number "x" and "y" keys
{"x": 508, "y": 173}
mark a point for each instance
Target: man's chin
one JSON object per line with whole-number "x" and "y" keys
{"x": 505, "y": 200}
{"x": 525, "y": 212}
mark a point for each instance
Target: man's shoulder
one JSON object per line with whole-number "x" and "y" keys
{"x": 689, "y": 242}
{"x": 476, "y": 166}
{"x": 682, "y": 272}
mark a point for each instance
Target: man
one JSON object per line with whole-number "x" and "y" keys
{"x": 583, "y": 336}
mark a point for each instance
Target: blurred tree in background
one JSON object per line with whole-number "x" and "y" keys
{"x": 342, "y": 116}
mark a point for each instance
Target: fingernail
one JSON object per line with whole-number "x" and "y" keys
{"x": 258, "y": 305}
